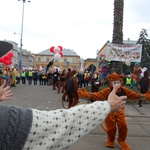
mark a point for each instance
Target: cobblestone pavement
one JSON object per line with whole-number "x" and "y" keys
{"x": 44, "y": 98}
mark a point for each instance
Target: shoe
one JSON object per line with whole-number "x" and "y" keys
{"x": 140, "y": 103}
{"x": 109, "y": 144}
{"x": 124, "y": 146}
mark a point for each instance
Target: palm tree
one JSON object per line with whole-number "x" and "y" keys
{"x": 117, "y": 37}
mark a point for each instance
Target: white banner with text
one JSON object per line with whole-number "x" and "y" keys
{"x": 124, "y": 52}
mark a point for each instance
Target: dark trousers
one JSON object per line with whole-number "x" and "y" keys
{"x": 23, "y": 80}
{"x": 73, "y": 99}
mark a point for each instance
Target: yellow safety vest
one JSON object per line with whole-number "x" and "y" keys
{"x": 30, "y": 74}
{"x": 128, "y": 80}
{"x": 23, "y": 74}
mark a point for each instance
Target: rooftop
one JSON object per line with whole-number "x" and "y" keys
{"x": 66, "y": 52}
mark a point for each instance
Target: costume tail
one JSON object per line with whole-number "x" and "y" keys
{"x": 103, "y": 127}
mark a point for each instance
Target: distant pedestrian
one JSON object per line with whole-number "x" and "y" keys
{"x": 144, "y": 84}
{"x": 50, "y": 78}
{"x": 128, "y": 80}
{"x": 69, "y": 75}
{"x": 40, "y": 77}
{"x": 61, "y": 81}
{"x": 71, "y": 88}
{"x": 30, "y": 76}
{"x": 56, "y": 77}
{"x": 80, "y": 79}
{"x": 86, "y": 78}
{"x": 23, "y": 77}
{"x": 17, "y": 74}
{"x": 35, "y": 77}
{"x": 95, "y": 82}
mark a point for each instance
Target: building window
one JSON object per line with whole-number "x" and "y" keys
{"x": 65, "y": 60}
{"x": 47, "y": 59}
{"x": 39, "y": 59}
{"x": 73, "y": 60}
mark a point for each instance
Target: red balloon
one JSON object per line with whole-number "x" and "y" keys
{"x": 10, "y": 62}
{"x": 61, "y": 48}
{"x": 52, "y": 49}
{"x": 6, "y": 57}
{"x": 10, "y": 54}
{"x": 61, "y": 54}
{"x": 6, "y": 62}
{"x": 1, "y": 59}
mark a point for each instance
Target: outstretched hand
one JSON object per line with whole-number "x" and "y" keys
{"x": 116, "y": 102}
{"x": 5, "y": 92}
{"x": 83, "y": 93}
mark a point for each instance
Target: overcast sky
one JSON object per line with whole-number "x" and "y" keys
{"x": 81, "y": 25}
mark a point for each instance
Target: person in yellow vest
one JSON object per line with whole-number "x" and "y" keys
{"x": 44, "y": 78}
{"x": 86, "y": 78}
{"x": 128, "y": 80}
{"x": 23, "y": 77}
{"x": 30, "y": 75}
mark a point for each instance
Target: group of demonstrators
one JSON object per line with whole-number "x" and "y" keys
{"x": 67, "y": 82}
{"x": 117, "y": 120}
{"x": 37, "y": 77}
{"x": 40, "y": 77}
{"x": 54, "y": 129}
{"x": 28, "y": 128}
{"x": 73, "y": 86}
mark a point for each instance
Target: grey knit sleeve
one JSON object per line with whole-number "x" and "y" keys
{"x": 15, "y": 124}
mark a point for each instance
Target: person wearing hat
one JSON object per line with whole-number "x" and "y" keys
{"x": 115, "y": 120}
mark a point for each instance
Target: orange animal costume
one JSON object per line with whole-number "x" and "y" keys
{"x": 71, "y": 88}
{"x": 114, "y": 118}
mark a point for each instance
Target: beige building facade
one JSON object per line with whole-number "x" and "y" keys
{"x": 69, "y": 60}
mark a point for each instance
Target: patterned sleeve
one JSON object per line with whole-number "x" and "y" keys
{"x": 60, "y": 128}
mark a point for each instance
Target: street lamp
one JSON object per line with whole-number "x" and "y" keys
{"x": 21, "y": 34}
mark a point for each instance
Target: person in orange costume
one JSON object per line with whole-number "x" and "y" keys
{"x": 115, "y": 118}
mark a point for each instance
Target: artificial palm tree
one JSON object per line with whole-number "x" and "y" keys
{"x": 117, "y": 37}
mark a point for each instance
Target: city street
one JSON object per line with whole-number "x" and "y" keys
{"x": 45, "y": 98}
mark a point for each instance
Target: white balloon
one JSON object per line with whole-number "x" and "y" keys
{"x": 56, "y": 50}
{"x": 57, "y": 56}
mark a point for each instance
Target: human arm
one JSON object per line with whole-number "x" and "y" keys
{"x": 136, "y": 95}
{"x": 5, "y": 92}
{"x": 59, "y": 129}
{"x": 94, "y": 96}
